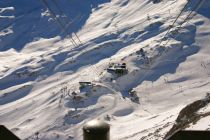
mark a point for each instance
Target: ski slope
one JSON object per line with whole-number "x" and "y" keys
{"x": 40, "y": 67}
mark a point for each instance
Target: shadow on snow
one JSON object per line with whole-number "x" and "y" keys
{"x": 31, "y": 23}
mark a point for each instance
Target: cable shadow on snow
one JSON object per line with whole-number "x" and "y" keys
{"x": 103, "y": 47}
{"x": 32, "y": 21}
{"x": 159, "y": 69}
{"x": 203, "y": 8}
{"x": 167, "y": 62}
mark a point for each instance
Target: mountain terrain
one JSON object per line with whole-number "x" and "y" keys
{"x": 142, "y": 66}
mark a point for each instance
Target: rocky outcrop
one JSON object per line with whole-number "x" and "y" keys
{"x": 189, "y": 115}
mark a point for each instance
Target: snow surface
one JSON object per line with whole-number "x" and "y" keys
{"x": 40, "y": 68}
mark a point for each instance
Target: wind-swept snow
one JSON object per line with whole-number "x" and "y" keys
{"x": 132, "y": 68}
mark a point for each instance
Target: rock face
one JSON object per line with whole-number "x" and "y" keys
{"x": 189, "y": 115}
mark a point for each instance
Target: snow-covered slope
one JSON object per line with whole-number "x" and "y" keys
{"x": 165, "y": 48}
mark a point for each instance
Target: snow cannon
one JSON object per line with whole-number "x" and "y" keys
{"x": 96, "y": 130}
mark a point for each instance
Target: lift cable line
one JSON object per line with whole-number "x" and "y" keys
{"x": 62, "y": 26}
{"x": 171, "y": 26}
{"x": 59, "y": 22}
{"x": 71, "y": 22}
{"x": 186, "y": 19}
{"x": 197, "y": 6}
{"x": 189, "y": 16}
{"x": 92, "y": 67}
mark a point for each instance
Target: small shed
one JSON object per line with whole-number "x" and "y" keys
{"x": 85, "y": 84}
{"x": 119, "y": 69}
{"x": 133, "y": 96}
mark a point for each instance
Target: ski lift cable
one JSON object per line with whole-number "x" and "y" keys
{"x": 61, "y": 13}
{"x": 74, "y": 20}
{"x": 190, "y": 16}
{"x": 198, "y": 5}
{"x": 187, "y": 19}
{"x": 171, "y": 26}
{"x": 60, "y": 24}
{"x": 58, "y": 21}
{"x": 71, "y": 22}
